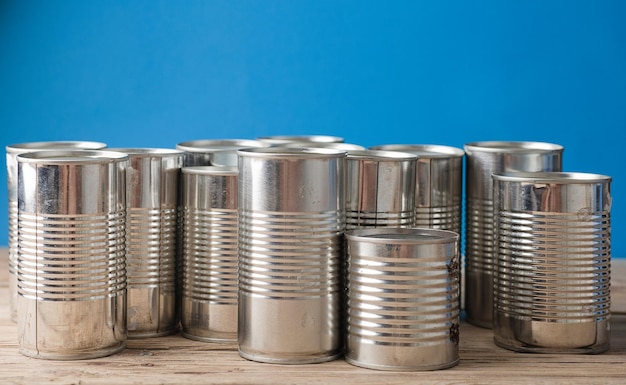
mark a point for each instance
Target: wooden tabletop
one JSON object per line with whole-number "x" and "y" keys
{"x": 177, "y": 360}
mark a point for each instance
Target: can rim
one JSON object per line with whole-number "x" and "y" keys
{"x": 281, "y": 139}
{"x": 333, "y": 145}
{"x": 381, "y": 156}
{"x": 551, "y": 177}
{"x": 206, "y": 145}
{"x": 138, "y": 152}
{"x": 211, "y": 170}
{"x": 69, "y": 157}
{"x": 424, "y": 150}
{"x": 19, "y": 148}
{"x": 404, "y": 236}
{"x": 290, "y": 152}
{"x": 512, "y": 146}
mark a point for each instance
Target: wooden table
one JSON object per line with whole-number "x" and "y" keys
{"x": 177, "y": 360}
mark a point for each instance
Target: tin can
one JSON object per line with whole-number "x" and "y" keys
{"x": 552, "y": 262}
{"x": 403, "y": 298}
{"x": 279, "y": 140}
{"x": 215, "y": 152}
{"x": 333, "y": 145}
{"x": 12, "y": 152}
{"x": 482, "y": 160}
{"x": 152, "y": 204}
{"x": 380, "y": 189}
{"x": 71, "y": 270}
{"x": 210, "y": 230}
{"x": 291, "y": 223}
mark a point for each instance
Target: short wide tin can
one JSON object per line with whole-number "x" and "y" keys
{"x": 403, "y": 299}
{"x": 71, "y": 271}
{"x": 291, "y": 223}
{"x": 552, "y": 262}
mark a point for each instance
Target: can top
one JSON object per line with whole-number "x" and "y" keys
{"x": 288, "y": 152}
{"x": 211, "y": 145}
{"x": 424, "y": 150}
{"x": 407, "y": 236}
{"x": 54, "y": 145}
{"x": 551, "y": 177}
{"x": 211, "y": 170}
{"x": 147, "y": 152}
{"x": 68, "y": 157}
{"x": 381, "y": 156}
{"x": 282, "y": 139}
{"x": 336, "y": 146}
{"x": 510, "y": 146}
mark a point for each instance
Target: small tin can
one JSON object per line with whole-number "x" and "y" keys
{"x": 380, "y": 189}
{"x": 152, "y": 204}
{"x": 482, "y": 160}
{"x": 12, "y": 152}
{"x": 552, "y": 262}
{"x": 403, "y": 298}
{"x": 279, "y": 140}
{"x": 291, "y": 223}
{"x": 210, "y": 229}
{"x": 215, "y": 152}
{"x": 71, "y": 270}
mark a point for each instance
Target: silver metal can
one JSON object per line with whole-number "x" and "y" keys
{"x": 333, "y": 145}
{"x": 482, "y": 160}
{"x": 279, "y": 140}
{"x": 291, "y": 223}
{"x": 210, "y": 230}
{"x": 380, "y": 189}
{"x": 403, "y": 298}
{"x": 71, "y": 270}
{"x": 12, "y": 151}
{"x": 552, "y": 262}
{"x": 215, "y": 152}
{"x": 152, "y": 204}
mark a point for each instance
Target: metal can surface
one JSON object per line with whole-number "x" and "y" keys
{"x": 152, "y": 204}
{"x": 210, "y": 229}
{"x": 552, "y": 262}
{"x": 380, "y": 189}
{"x": 333, "y": 145}
{"x": 291, "y": 223}
{"x": 482, "y": 160}
{"x": 71, "y": 270}
{"x": 215, "y": 152}
{"x": 403, "y": 298}
{"x": 12, "y": 151}
{"x": 279, "y": 140}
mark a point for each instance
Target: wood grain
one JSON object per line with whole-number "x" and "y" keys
{"x": 176, "y": 360}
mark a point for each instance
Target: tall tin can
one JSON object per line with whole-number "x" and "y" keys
{"x": 210, "y": 230}
{"x": 152, "y": 204}
{"x": 380, "y": 189}
{"x": 482, "y": 160}
{"x": 403, "y": 298}
{"x": 291, "y": 223}
{"x": 71, "y": 270}
{"x": 552, "y": 262}
{"x": 12, "y": 151}
{"x": 280, "y": 140}
{"x": 215, "y": 152}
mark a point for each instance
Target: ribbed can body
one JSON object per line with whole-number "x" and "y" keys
{"x": 380, "y": 189}
{"x": 152, "y": 200}
{"x": 291, "y": 223}
{"x": 552, "y": 262}
{"x": 482, "y": 160}
{"x": 403, "y": 298}
{"x": 12, "y": 152}
{"x": 71, "y": 271}
{"x": 210, "y": 229}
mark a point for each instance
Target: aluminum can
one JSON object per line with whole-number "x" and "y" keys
{"x": 291, "y": 224}
{"x": 403, "y": 298}
{"x": 12, "y": 151}
{"x": 279, "y": 140}
{"x": 552, "y": 262}
{"x": 71, "y": 270}
{"x": 482, "y": 160}
{"x": 215, "y": 152}
{"x": 380, "y": 189}
{"x": 210, "y": 230}
{"x": 152, "y": 204}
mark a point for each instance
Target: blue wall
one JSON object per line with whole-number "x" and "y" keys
{"x": 155, "y": 73}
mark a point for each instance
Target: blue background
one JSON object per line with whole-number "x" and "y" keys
{"x": 155, "y": 73}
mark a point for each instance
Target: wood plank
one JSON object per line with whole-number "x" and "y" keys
{"x": 175, "y": 360}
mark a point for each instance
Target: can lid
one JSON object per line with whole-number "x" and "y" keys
{"x": 551, "y": 177}
{"x": 211, "y": 170}
{"x": 288, "y": 152}
{"x": 68, "y": 157}
{"x": 19, "y": 148}
{"x": 384, "y": 235}
{"x": 212, "y": 145}
{"x": 511, "y": 146}
{"x": 424, "y": 150}
{"x": 381, "y": 156}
